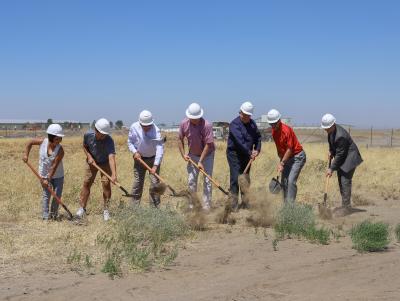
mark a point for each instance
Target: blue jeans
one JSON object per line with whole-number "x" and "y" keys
{"x": 290, "y": 173}
{"x": 57, "y": 185}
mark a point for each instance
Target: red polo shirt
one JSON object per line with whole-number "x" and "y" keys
{"x": 286, "y": 138}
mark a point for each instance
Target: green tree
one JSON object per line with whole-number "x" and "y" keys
{"x": 49, "y": 121}
{"x": 119, "y": 124}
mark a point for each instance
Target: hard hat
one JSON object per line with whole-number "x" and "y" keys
{"x": 327, "y": 121}
{"x": 103, "y": 126}
{"x": 247, "y": 108}
{"x": 273, "y": 116}
{"x": 146, "y": 118}
{"x": 55, "y": 129}
{"x": 194, "y": 111}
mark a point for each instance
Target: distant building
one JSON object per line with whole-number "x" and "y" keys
{"x": 29, "y": 124}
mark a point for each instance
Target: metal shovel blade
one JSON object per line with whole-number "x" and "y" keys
{"x": 275, "y": 186}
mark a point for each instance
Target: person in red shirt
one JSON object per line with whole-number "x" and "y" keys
{"x": 291, "y": 154}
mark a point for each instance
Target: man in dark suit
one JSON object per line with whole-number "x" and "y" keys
{"x": 346, "y": 157}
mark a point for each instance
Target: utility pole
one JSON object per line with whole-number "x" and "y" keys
{"x": 371, "y": 137}
{"x": 391, "y": 139}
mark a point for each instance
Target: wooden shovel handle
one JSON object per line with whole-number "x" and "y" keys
{"x": 106, "y": 174}
{"x": 149, "y": 169}
{"x": 248, "y": 165}
{"x": 52, "y": 192}
{"x": 208, "y": 176}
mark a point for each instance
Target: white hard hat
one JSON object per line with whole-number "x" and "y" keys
{"x": 194, "y": 111}
{"x": 55, "y": 129}
{"x": 103, "y": 126}
{"x": 247, "y": 108}
{"x": 327, "y": 121}
{"x": 273, "y": 116}
{"x": 146, "y": 118}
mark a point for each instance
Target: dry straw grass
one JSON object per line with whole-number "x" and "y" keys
{"x": 26, "y": 242}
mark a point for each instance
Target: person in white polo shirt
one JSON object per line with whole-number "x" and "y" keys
{"x": 145, "y": 142}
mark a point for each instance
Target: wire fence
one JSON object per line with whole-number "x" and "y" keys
{"x": 363, "y": 137}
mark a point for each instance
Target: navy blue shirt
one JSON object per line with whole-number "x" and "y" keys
{"x": 99, "y": 149}
{"x": 243, "y": 136}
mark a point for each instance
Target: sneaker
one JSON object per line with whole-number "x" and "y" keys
{"x": 106, "y": 215}
{"x": 81, "y": 212}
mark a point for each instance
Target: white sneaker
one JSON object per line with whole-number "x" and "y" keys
{"x": 106, "y": 215}
{"x": 81, "y": 212}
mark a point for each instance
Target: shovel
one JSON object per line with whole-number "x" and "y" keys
{"x": 126, "y": 193}
{"x": 327, "y": 184}
{"x": 158, "y": 177}
{"x": 208, "y": 176}
{"x": 248, "y": 166}
{"x": 275, "y": 186}
{"x": 243, "y": 179}
{"x": 324, "y": 211}
{"x": 51, "y": 191}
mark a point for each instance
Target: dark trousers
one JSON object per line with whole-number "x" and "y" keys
{"x": 237, "y": 164}
{"x": 345, "y": 180}
{"x": 139, "y": 173}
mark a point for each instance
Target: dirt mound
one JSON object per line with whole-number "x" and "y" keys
{"x": 261, "y": 210}
{"x": 158, "y": 188}
{"x": 195, "y": 216}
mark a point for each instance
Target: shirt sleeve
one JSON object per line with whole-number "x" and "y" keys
{"x": 132, "y": 139}
{"x": 290, "y": 140}
{"x": 85, "y": 138}
{"x": 258, "y": 140}
{"x": 342, "y": 148}
{"x": 159, "y": 149}
{"x": 181, "y": 134}
{"x": 111, "y": 147}
{"x": 208, "y": 134}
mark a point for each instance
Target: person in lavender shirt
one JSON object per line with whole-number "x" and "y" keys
{"x": 199, "y": 135}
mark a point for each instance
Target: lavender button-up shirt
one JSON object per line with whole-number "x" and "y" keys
{"x": 197, "y": 135}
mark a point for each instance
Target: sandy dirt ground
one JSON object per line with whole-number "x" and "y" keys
{"x": 239, "y": 263}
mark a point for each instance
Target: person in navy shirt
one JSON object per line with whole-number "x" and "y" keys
{"x": 244, "y": 144}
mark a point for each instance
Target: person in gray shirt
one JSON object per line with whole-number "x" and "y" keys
{"x": 344, "y": 157}
{"x": 99, "y": 148}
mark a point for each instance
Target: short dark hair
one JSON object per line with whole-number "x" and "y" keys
{"x": 51, "y": 137}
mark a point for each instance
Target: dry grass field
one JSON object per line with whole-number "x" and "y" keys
{"x": 46, "y": 251}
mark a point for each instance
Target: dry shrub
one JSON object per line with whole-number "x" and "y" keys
{"x": 360, "y": 200}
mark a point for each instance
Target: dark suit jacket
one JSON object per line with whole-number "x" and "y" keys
{"x": 342, "y": 147}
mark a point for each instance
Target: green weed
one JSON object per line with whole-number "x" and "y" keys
{"x": 299, "y": 220}
{"x": 140, "y": 238}
{"x": 370, "y": 237}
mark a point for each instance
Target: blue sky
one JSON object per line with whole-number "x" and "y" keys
{"x": 83, "y": 60}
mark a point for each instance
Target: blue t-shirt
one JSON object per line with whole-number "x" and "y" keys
{"x": 99, "y": 149}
